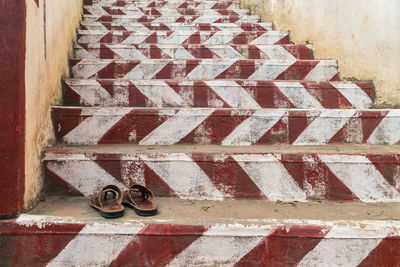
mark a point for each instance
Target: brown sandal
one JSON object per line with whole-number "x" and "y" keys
{"x": 106, "y": 206}
{"x": 140, "y": 199}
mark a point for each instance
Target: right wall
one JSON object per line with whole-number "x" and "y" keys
{"x": 364, "y": 36}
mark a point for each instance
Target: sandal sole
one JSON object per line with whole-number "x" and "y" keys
{"x": 108, "y": 215}
{"x": 141, "y": 212}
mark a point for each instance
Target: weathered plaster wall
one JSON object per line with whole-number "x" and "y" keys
{"x": 50, "y": 32}
{"x": 363, "y": 35}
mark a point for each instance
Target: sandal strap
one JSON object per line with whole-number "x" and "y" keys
{"x": 105, "y": 190}
{"x": 146, "y": 193}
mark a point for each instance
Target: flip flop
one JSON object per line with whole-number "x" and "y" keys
{"x": 108, "y": 207}
{"x": 140, "y": 199}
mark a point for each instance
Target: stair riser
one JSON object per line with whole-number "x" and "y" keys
{"x": 154, "y": 51}
{"x": 135, "y": 27}
{"x": 188, "y": 37}
{"x": 100, "y": 11}
{"x": 177, "y": 4}
{"x": 152, "y": 3}
{"x": 206, "y": 69}
{"x": 170, "y": 19}
{"x": 225, "y": 126}
{"x": 216, "y": 94}
{"x": 215, "y": 176}
{"x": 132, "y": 244}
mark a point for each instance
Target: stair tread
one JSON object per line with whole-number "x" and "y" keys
{"x": 254, "y": 212}
{"x": 60, "y": 149}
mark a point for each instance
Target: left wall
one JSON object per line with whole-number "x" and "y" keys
{"x": 50, "y": 32}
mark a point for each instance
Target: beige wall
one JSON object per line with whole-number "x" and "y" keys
{"x": 48, "y": 46}
{"x": 363, "y": 35}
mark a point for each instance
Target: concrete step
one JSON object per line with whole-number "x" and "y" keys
{"x": 218, "y": 93}
{"x": 155, "y": 11}
{"x": 145, "y": 26}
{"x": 67, "y": 232}
{"x": 205, "y": 69}
{"x": 163, "y": 19}
{"x": 175, "y": 4}
{"x": 184, "y": 37}
{"x": 277, "y": 173}
{"x": 228, "y": 127}
{"x": 153, "y": 3}
{"x": 191, "y": 51}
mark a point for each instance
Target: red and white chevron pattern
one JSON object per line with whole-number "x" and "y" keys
{"x": 146, "y": 26}
{"x": 202, "y": 69}
{"x": 224, "y": 4}
{"x": 169, "y": 19}
{"x": 170, "y": 51}
{"x": 139, "y": 11}
{"x": 301, "y": 176}
{"x": 130, "y": 244}
{"x": 184, "y": 37}
{"x": 218, "y": 93}
{"x": 52, "y": 241}
{"x": 229, "y": 127}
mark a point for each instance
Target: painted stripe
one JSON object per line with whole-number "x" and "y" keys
{"x": 253, "y": 128}
{"x": 184, "y": 176}
{"x": 388, "y": 131}
{"x": 160, "y": 95}
{"x": 298, "y": 95}
{"x": 102, "y": 120}
{"x": 359, "y": 174}
{"x": 92, "y": 93}
{"x": 137, "y": 37}
{"x": 221, "y": 37}
{"x": 176, "y": 51}
{"x": 177, "y": 127}
{"x": 97, "y": 244}
{"x": 225, "y": 51}
{"x": 344, "y": 246}
{"x": 131, "y": 53}
{"x": 354, "y": 94}
{"x": 82, "y": 70}
{"x": 324, "y": 127}
{"x": 146, "y": 69}
{"x": 268, "y": 173}
{"x": 276, "y": 52}
{"x": 84, "y": 175}
{"x": 209, "y": 68}
{"x": 233, "y": 94}
{"x": 324, "y": 71}
{"x": 217, "y": 247}
{"x": 270, "y": 70}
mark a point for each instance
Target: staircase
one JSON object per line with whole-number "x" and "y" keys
{"x": 259, "y": 154}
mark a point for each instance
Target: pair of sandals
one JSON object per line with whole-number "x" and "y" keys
{"x": 110, "y": 200}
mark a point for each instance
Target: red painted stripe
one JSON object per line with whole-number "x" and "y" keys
{"x": 158, "y": 244}
{"x": 284, "y": 247}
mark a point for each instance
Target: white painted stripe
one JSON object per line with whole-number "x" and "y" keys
{"x": 92, "y": 36}
{"x": 160, "y": 95}
{"x": 388, "y": 130}
{"x": 184, "y": 176}
{"x": 92, "y": 129}
{"x": 217, "y": 247}
{"x": 177, "y": 127}
{"x": 271, "y": 177}
{"x": 270, "y": 70}
{"x": 84, "y": 175}
{"x": 81, "y": 52}
{"x": 209, "y": 69}
{"x": 298, "y": 95}
{"x": 86, "y": 68}
{"x": 96, "y": 245}
{"x": 92, "y": 93}
{"x": 359, "y": 174}
{"x": 137, "y": 37}
{"x": 225, "y": 51}
{"x": 176, "y": 51}
{"x": 207, "y": 19}
{"x": 336, "y": 249}
{"x": 233, "y": 94}
{"x": 223, "y": 37}
{"x": 146, "y": 69}
{"x": 324, "y": 127}
{"x": 324, "y": 71}
{"x": 276, "y": 52}
{"x": 271, "y": 37}
{"x": 354, "y": 94}
{"x": 253, "y": 128}
{"x": 178, "y": 37}
{"x": 130, "y": 52}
